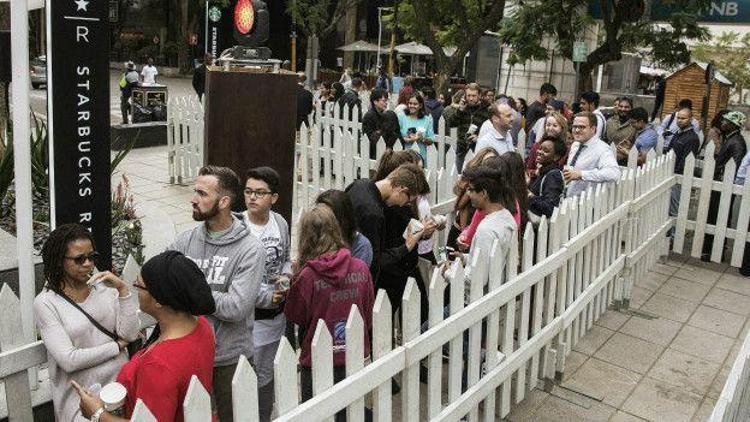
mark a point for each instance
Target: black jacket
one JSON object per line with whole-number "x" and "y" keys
{"x": 535, "y": 112}
{"x": 732, "y": 147}
{"x": 199, "y": 80}
{"x": 369, "y": 211}
{"x": 385, "y": 122}
{"x": 395, "y": 274}
{"x": 304, "y": 105}
{"x": 683, "y": 143}
{"x": 350, "y": 99}
{"x": 547, "y": 189}
{"x": 435, "y": 109}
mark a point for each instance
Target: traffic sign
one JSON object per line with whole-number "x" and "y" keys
{"x": 580, "y": 51}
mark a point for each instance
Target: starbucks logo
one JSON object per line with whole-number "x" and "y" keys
{"x": 214, "y": 14}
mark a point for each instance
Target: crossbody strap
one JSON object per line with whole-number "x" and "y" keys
{"x": 108, "y": 333}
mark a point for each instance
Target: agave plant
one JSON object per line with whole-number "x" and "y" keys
{"x": 6, "y": 171}
{"x": 40, "y": 158}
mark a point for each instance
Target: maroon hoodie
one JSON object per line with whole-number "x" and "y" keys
{"x": 326, "y": 288}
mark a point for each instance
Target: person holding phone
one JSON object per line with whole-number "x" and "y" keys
{"x": 416, "y": 125}
{"x": 86, "y": 321}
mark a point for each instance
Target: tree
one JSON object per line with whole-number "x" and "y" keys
{"x": 317, "y": 19}
{"x": 730, "y": 53}
{"x": 443, "y": 23}
{"x": 625, "y": 29}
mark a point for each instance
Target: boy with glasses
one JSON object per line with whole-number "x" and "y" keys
{"x": 261, "y": 193}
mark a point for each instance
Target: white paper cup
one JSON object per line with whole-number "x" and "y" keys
{"x": 473, "y": 129}
{"x": 113, "y": 395}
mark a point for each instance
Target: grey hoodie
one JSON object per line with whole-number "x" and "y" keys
{"x": 234, "y": 265}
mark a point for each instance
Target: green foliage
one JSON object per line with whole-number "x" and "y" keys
{"x": 443, "y": 23}
{"x": 730, "y": 53}
{"x": 6, "y": 171}
{"x": 126, "y": 225}
{"x": 318, "y": 17}
{"x": 39, "y": 158}
{"x": 121, "y": 154}
{"x": 530, "y": 27}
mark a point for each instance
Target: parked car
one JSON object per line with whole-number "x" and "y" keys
{"x": 38, "y": 70}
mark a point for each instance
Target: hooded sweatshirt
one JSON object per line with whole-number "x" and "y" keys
{"x": 234, "y": 265}
{"x": 326, "y": 288}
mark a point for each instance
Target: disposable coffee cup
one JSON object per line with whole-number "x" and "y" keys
{"x": 415, "y": 226}
{"x": 113, "y": 395}
{"x": 439, "y": 219}
{"x": 472, "y": 129}
{"x": 421, "y": 130}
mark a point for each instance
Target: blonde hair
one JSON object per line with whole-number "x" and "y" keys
{"x": 319, "y": 234}
{"x": 561, "y": 120}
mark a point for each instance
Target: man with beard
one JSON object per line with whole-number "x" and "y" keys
{"x": 619, "y": 131}
{"x": 684, "y": 142}
{"x": 233, "y": 261}
{"x": 469, "y": 117}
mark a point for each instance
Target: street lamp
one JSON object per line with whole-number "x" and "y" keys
{"x": 380, "y": 30}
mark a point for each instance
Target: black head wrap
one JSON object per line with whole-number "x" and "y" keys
{"x": 175, "y": 281}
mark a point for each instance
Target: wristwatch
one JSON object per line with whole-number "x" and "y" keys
{"x": 98, "y": 414}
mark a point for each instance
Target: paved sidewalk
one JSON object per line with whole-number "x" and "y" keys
{"x": 664, "y": 359}
{"x": 165, "y": 208}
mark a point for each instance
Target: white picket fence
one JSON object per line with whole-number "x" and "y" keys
{"x": 185, "y": 134}
{"x": 732, "y": 216}
{"x": 519, "y": 328}
{"x": 733, "y": 404}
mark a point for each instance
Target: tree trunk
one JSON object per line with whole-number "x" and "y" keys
{"x": 585, "y": 83}
{"x": 309, "y": 60}
{"x": 183, "y": 53}
{"x": 350, "y": 35}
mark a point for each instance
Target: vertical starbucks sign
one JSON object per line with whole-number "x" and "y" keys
{"x": 78, "y": 118}
{"x": 214, "y": 12}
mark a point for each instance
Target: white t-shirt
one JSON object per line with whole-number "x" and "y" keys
{"x": 424, "y": 246}
{"x": 149, "y": 74}
{"x": 267, "y": 331}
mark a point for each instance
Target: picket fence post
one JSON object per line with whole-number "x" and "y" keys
{"x": 197, "y": 406}
{"x": 244, "y": 392}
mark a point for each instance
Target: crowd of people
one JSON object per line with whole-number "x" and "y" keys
{"x": 230, "y": 287}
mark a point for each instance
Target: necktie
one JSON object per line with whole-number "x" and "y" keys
{"x": 575, "y": 156}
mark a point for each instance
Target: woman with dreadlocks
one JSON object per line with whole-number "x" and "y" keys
{"x": 85, "y": 321}
{"x": 173, "y": 290}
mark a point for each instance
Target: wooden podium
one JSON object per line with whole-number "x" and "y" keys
{"x": 251, "y": 122}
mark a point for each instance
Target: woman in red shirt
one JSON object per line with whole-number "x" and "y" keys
{"x": 173, "y": 290}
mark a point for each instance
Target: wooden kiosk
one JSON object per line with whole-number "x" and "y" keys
{"x": 250, "y": 122}
{"x": 690, "y": 82}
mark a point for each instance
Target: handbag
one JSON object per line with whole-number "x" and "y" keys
{"x": 132, "y": 347}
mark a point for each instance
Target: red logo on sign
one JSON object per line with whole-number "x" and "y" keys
{"x": 244, "y": 16}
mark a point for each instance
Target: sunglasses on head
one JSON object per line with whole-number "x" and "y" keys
{"x": 81, "y": 259}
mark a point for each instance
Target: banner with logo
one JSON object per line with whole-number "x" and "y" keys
{"x": 78, "y": 101}
{"x": 215, "y": 17}
{"x": 721, "y": 11}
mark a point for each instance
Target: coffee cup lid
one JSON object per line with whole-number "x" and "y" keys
{"x": 113, "y": 393}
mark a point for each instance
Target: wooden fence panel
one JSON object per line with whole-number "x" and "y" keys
{"x": 382, "y": 329}
{"x": 197, "y": 406}
{"x": 244, "y": 392}
{"x": 355, "y": 358}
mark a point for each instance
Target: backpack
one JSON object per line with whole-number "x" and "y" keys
{"x": 123, "y": 81}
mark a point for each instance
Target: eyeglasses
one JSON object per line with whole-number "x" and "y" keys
{"x": 81, "y": 259}
{"x": 258, "y": 193}
{"x": 577, "y": 127}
